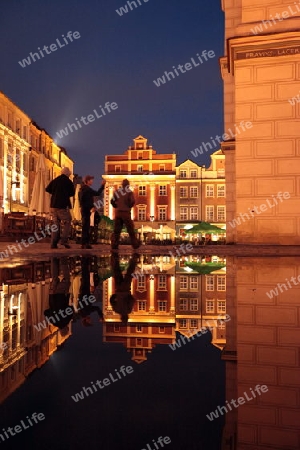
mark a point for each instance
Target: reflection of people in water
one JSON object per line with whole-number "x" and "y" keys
{"x": 86, "y": 299}
{"x": 60, "y": 313}
{"x": 122, "y": 301}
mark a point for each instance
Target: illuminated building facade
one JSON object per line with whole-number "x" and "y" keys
{"x": 152, "y": 179}
{"x": 201, "y": 193}
{"x": 260, "y": 71}
{"x": 21, "y": 142}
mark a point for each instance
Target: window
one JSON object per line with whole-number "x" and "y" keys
{"x": 117, "y": 328}
{"x": 138, "y": 342}
{"x": 162, "y": 306}
{"x": 221, "y": 216}
{"x": 162, "y": 213}
{"x": 25, "y": 132}
{"x": 193, "y": 173}
{"x": 139, "y": 329}
{"x": 209, "y": 213}
{"x": 183, "y": 192}
{"x": 140, "y": 155}
{"x": 183, "y": 304}
{"x": 32, "y": 164}
{"x": 194, "y": 282}
{"x": 221, "y": 283}
{"x": 161, "y": 329}
{"x": 162, "y": 190}
{"x": 182, "y": 174}
{"x": 1, "y": 148}
{"x": 18, "y": 159}
{"x": 162, "y": 283}
{"x": 221, "y": 325}
{"x": 221, "y": 306}
{"x": 221, "y": 190}
{"x": 140, "y": 168}
{"x": 183, "y": 282}
{"x": 142, "y": 191}
{"x": 194, "y": 323}
{"x": 210, "y": 306}
{"x": 142, "y": 305}
{"x": 210, "y": 190}
{"x": 117, "y": 168}
{"x": 141, "y": 283}
{"x": 193, "y": 191}
{"x": 194, "y": 304}
{"x": 141, "y": 213}
{"x": 182, "y": 323}
{"x": 194, "y": 213}
{"x": 183, "y": 213}
{"x": 210, "y": 283}
{"x": 161, "y": 167}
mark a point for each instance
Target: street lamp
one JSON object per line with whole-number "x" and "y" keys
{"x": 17, "y": 183}
{"x": 151, "y": 220}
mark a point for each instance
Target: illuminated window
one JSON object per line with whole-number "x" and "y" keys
{"x": 194, "y": 304}
{"x": 221, "y": 283}
{"x": 117, "y": 168}
{"x": 221, "y": 190}
{"x": 162, "y": 190}
{"x": 183, "y": 304}
{"x": 162, "y": 213}
{"x": 183, "y": 192}
{"x": 210, "y": 283}
{"x": 162, "y": 306}
{"x": 194, "y": 323}
{"x": 209, "y": 213}
{"x": 161, "y": 167}
{"x": 194, "y": 282}
{"x": 221, "y": 215}
{"x": 140, "y": 168}
{"x": 142, "y": 305}
{"x": 221, "y": 306}
{"x": 141, "y": 282}
{"x": 183, "y": 213}
{"x": 194, "y": 213}
{"x": 183, "y": 282}
{"x": 210, "y": 190}
{"x": 141, "y": 213}
{"x": 193, "y": 173}
{"x": 142, "y": 191}
{"x": 139, "y": 329}
{"x": 162, "y": 283}
{"x": 182, "y": 323}
{"x": 193, "y": 191}
{"x": 182, "y": 173}
{"x": 210, "y": 306}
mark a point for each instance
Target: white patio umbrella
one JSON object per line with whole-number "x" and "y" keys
{"x": 76, "y": 207}
{"x": 40, "y": 199}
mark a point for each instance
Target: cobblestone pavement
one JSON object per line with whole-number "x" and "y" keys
{"x": 42, "y": 250}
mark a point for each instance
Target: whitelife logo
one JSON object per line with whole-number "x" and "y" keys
{"x": 265, "y": 24}
{"x": 53, "y": 47}
{"x": 124, "y": 9}
{"x": 12, "y": 431}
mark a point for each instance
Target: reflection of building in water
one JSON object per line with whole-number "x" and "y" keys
{"x": 268, "y": 337}
{"x": 152, "y": 320}
{"x": 23, "y": 297}
{"x": 200, "y": 300}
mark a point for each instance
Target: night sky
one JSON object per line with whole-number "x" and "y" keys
{"x": 115, "y": 59}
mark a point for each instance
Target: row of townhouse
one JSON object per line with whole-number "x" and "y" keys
{"x": 21, "y": 143}
{"x": 170, "y": 198}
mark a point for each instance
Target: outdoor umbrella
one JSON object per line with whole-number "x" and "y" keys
{"x": 204, "y": 269}
{"x": 40, "y": 199}
{"x": 205, "y": 227}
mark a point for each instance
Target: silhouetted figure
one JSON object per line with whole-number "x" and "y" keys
{"x": 60, "y": 313}
{"x": 86, "y": 299}
{"x": 122, "y": 301}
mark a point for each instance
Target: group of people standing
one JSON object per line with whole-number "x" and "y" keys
{"x": 62, "y": 189}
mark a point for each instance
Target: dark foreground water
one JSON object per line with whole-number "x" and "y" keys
{"x": 162, "y": 345}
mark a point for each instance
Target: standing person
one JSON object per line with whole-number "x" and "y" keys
{"x": 86, "y": 199}
{"x": 61, "y": 189}
{"x": 123, "y": 200}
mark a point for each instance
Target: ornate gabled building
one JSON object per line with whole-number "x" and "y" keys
{"x": 152, "y": 179}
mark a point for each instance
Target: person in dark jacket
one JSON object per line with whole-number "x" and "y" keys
{"x": 86, "y": 200}
{"x": 123, "y": 200}
{"x": 61, "y": 189}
